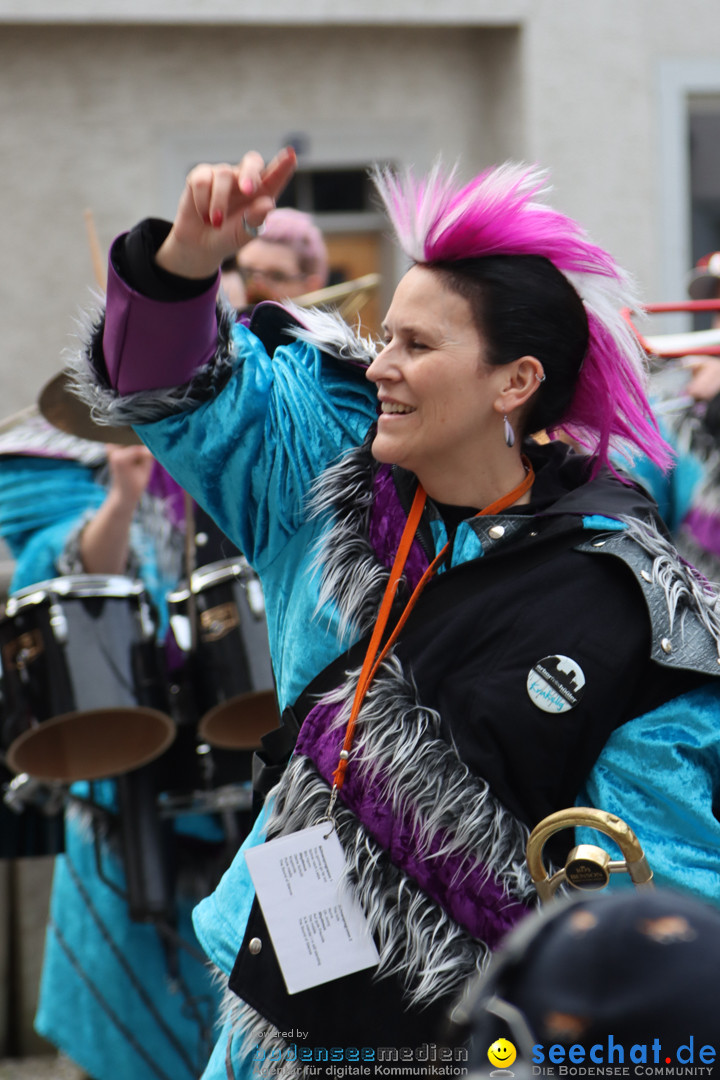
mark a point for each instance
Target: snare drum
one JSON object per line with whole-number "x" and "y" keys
{"x": 84, "y": 688}
{"x": 235, "y": 687}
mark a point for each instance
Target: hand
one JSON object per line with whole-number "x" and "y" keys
{"x": 130, "y": 469}
{"x": 217, "y": 203}
{"x": 705, "y": 381}
{"x": 105, "y": 540}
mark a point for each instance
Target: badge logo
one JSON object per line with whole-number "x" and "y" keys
{"x": 556, "y": 683}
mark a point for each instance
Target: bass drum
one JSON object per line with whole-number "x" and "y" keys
{"x": 219, "y": 624}
{"x": 85, "y": 693}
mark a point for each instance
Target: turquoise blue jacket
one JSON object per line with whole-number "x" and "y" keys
{"x": 259, "y": 435}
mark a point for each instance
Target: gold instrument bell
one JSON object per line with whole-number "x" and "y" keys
{"x": 587, "y": 866}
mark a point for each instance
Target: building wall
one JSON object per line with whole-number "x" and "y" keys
{"x": 112, "y": 118}
{"x": 105, "y": 106}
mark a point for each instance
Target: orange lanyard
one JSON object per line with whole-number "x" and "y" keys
{"x": 373, "y": 659}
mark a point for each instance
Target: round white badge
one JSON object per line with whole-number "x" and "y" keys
{"x": 556, "y": 683}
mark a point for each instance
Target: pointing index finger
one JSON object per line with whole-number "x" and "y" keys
{"x": 278, "y": 172}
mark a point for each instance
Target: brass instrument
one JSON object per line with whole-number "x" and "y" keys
{"x": 673, "y": 346}
{"x": 349, "y": 296}
{"x": 587, "y": 866}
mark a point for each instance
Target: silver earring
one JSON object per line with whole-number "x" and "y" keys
{"x": 509, "y": 433}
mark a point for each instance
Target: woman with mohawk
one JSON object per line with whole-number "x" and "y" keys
{"x": 467, "y": 625}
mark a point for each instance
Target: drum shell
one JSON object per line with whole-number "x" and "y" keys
{"x": 77, "y": 650}
{"x": 226, "y": 646}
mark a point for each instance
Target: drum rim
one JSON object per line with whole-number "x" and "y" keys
{"x": 75, "y": 586}
{"x": 212, "y": 574}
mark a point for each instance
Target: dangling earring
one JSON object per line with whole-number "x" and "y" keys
{"x": 509, "y": 433}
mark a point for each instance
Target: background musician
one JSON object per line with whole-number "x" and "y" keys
{"x": 287, "y": 259}
{"x": 125, "y": 999}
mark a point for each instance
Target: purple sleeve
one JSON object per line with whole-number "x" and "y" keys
{"x": 152, "y": 344}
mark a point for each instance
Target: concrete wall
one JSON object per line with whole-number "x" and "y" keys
{"x": 108, "y": 106}
{"x": 112, "y": 118}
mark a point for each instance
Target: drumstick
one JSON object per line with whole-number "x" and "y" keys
{"x": 96, "y": 254}
{"x": 18, "y": 417}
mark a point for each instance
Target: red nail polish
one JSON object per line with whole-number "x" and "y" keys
{"x": 217, "y": 218}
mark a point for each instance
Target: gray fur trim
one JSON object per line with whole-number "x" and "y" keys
{"x": 166, "y": 539}
{"x": 415, "y": 937}
{"x": 683, "y": 606}
{"x": 328, "y": 331}
{"x": 692, "y": 437}
{"x": 397, "y": 745}
{"x": 258, "y": 1035}
{"x": 398, "y": 738}
{"x": 398, "y": 748}
{"x": 351, "y": 575}
{"x": 706, "y": 562}
{"x": 34, "y": 436}
{"x": 86, "y": 369}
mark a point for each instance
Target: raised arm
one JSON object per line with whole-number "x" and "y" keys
{"x": 219, "y": 209}
{"x": 105, "y": 541}
{"x": 149, "y": 340}
{"x": 244, "y": 421}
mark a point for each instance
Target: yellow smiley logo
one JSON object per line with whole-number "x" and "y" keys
{"x": 502, "y": 1053}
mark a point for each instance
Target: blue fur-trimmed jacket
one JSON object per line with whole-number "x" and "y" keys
{"x": 455, "y": 759}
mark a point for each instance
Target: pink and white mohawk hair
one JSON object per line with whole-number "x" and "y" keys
{"x": 499, "y": 213}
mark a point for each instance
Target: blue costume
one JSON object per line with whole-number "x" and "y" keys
{"x": 117, "y": 997}
{"x": 463, "y": 744}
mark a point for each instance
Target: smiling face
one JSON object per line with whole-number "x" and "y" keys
{"x": 502, "y": 1053}
{"x": 439, "y": 414}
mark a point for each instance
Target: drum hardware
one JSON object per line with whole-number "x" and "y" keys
{"x": 31, "y": 817}
{"x": 24, "y": 792}
{"x": 228, "y": 798}
{"x": 145, "y": 841}
{"x": 587, "y": 866}
{"x": 58, "y": 623}
{"x": 19, "y": 654}
{"x": 190, "y": 556}
{"x": 84, "y": 687}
